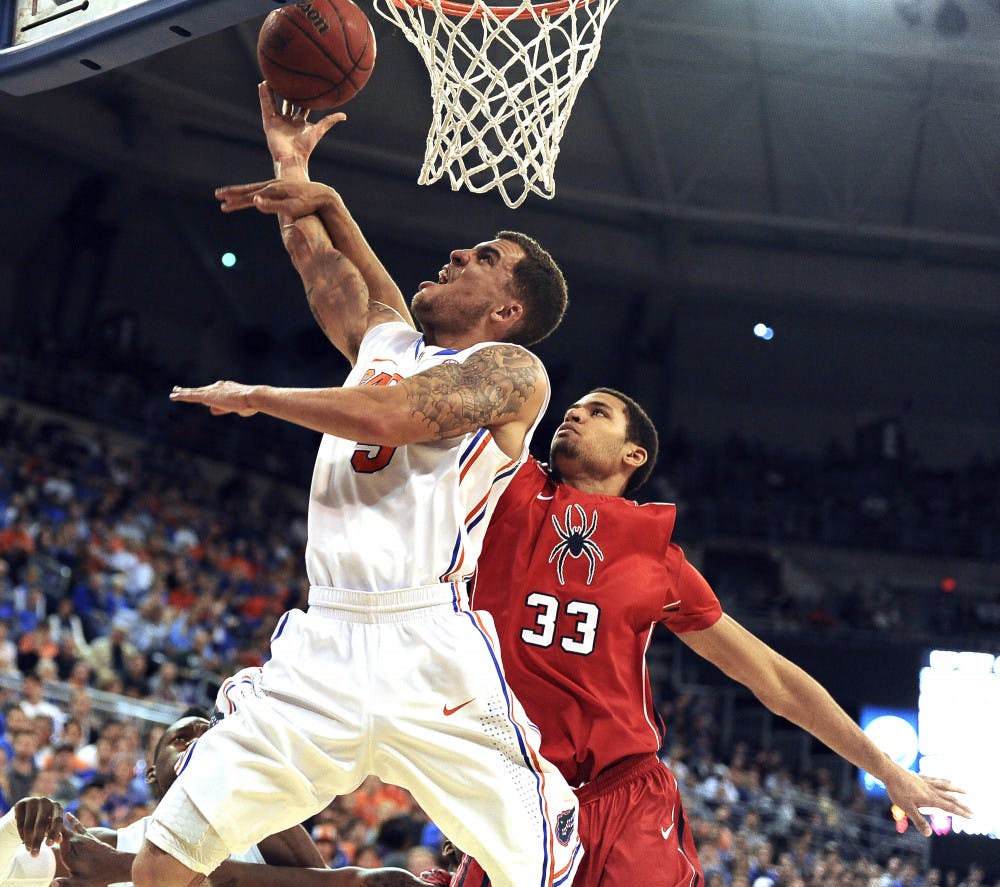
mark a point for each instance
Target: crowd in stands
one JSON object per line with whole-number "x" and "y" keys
{"x": 133, "y": 569}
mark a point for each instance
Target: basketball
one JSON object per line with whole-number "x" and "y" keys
{"x": 316, "y": 54}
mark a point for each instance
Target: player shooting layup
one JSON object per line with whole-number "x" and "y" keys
{"x": 389, "y": 672}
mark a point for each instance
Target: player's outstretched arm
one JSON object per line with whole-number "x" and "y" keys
{"x": 93, "y": 863}
{"x": 502, "y": 387}
{"x": 791, "y": 693}
{"x": 245, "y": 874}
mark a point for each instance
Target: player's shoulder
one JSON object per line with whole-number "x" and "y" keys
{"x": 507, "y": 354}
{"x": 389, "y": 335}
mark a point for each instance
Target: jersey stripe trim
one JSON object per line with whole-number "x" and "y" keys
{"x": 478, "y": 510}
{"x": 527, "y": 755}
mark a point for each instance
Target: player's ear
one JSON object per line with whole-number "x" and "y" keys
{"x": 509, "y": 313}
{"x": 151, "y": 777}
{"x": 634, "y": 456}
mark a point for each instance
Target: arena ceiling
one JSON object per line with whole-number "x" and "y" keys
{"x": 815, "y": 155}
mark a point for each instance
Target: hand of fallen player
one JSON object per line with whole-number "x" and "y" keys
{"x": 88, "y": 861}
{"x": 38, "y": 819}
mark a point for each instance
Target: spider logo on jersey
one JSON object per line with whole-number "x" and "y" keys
{"x": 575, "y": 542}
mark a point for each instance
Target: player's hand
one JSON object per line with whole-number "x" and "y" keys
{"x": 291, "y": 137}
{"x": 38, "y": 819}
{"x": 911, "y": 791}
{"x": 89, "y": 861}
{"x": 220, "y": 397}
{"x": 291, "y": 200}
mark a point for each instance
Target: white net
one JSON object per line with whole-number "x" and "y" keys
{"x": 503, "y": 84}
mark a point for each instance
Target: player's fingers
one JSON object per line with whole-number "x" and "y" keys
{"x": 944, "y": 784}
{"x": 189, "y": 395}
{"x": 248, "y": 189}
{"x": 919, "y": 822}
{"x": 266, "y": 94}
{"x": 72, "y": 825}
{"x": 327, "y": 123}
{"x": 54, "y": 833}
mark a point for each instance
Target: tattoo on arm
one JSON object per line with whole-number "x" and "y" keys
{"x": 493, "y": 384}
{"x": 317, "y": 316}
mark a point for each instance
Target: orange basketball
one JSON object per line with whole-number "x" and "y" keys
{"x": 316, "y": 54}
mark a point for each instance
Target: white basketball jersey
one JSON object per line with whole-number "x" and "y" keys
{"x": 384, "y": 518}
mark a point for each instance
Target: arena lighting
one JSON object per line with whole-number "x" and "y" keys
{"x": 894, "y": 731}
{"x": 228, "y": 260}
{"x": 959, "y": 729}
{"x": 763, "y": 331}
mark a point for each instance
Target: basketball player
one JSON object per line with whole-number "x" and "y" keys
{"x": 100, "y": 856}
{"x": 576, "y": 578}
{"x": 389, "y": 672}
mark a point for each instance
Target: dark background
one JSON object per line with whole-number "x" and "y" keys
{"x": 829, "y": 169}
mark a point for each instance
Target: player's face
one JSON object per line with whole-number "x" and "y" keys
{"x": 175, "y": 742}
{"x": 475, "y": 282}
{"x": 592, "y": 435}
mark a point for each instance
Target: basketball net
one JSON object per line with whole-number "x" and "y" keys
{"x": 503, "y": 84}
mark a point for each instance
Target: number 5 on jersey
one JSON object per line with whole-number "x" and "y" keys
{"x": 369, "y": 458}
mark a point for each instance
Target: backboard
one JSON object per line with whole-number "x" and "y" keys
{"x": 49, "y": 43}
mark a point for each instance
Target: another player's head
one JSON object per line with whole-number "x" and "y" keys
{"x": 506, "y": 289}
{"x": 606, "y": 436}
{"x": 173, "y": 745}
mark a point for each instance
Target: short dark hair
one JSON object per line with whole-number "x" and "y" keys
{"x": 639, "y": 429}
{"x": 541, "y": 284}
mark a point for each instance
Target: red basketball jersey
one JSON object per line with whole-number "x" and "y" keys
{"x": 576, "y": 584}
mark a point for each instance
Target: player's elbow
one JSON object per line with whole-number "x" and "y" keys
{"x": 777, "y": 699}
{"x": 389, "y": 429}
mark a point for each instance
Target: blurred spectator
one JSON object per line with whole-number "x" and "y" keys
{"x": 62, "y": 764}
{"x": 33, "y": 702}
{"x": 420, "y": 859}
{"x": 109, "y": 653}
{"x": 65, "y": 622}
{"x": 21, "y": 768}
{"x": 89, "y": 807}
{"x": 328, "y": 841}
{"x": 368, "y": 857}
{"x": 8, "y": 649}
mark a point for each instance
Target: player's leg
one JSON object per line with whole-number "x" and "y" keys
{"x": 278, "y": 759}
{"x": 460, "y": 742}
{"x": 635, "y": 830}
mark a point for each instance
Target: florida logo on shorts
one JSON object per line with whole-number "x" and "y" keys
{"x": 565, "y": 826}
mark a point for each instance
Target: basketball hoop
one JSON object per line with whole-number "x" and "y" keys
{"x": 503, "y": 83}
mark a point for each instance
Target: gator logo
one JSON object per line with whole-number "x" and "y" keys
{"x": 565, "y": 826}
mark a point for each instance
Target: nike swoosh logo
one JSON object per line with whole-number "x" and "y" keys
{"x": 544, "y": 498}
{"x": 666, "y": 831}
{"x": 448, "y": 712}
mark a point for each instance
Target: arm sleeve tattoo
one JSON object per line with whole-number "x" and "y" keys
{"x": 491, "y": 386}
